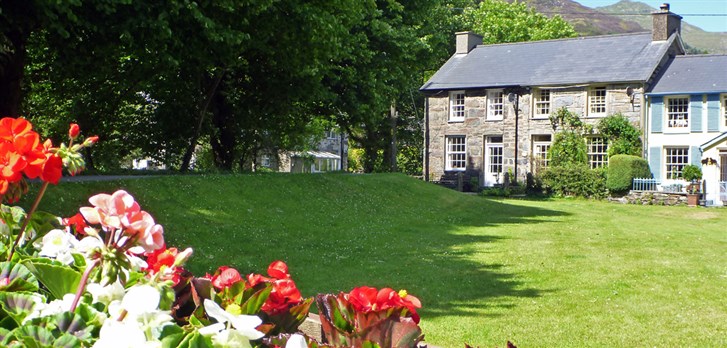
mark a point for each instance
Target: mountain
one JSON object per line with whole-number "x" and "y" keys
{"x": 600, "y": 21}
{"x": 585, "y": 20}
{"x": 693, "y": 36}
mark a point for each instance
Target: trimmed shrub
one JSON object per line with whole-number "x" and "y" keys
{"x": 575, "y": 179}
{"x": 622, "y": 169}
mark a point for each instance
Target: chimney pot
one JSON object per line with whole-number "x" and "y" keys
{"x": 664, "y": 7}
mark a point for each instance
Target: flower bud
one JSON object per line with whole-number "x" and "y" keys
{"x": 90, "y": 140}
{"x": 74, "y": 131}
{"x": 182, "y": 257}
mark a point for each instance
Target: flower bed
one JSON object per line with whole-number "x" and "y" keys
{"x": 105, "y": 278}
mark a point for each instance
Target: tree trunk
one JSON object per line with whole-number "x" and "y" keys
{"x": 12, "y": 75}
{"x": 209, "y": 93}
{"x": 393, "y": 152}
{"x": 223, "y": 140}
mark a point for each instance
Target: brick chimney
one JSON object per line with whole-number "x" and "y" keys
{"x": 466, "y": 41}
{"x": 665, "y": 23}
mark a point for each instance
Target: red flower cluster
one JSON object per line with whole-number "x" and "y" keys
{"x": 283, "y": 295}
{"x": 21, "y": 152}
{"x": 367, "y": 299}
{"x": 161, "y": 260}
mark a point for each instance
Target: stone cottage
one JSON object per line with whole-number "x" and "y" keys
{"x": 488, "y": 106}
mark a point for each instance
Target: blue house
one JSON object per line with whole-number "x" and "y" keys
{"x": 687, "y": 122}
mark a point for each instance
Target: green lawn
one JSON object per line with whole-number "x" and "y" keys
{"x": 547, "y": 273}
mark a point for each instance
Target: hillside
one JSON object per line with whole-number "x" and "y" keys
{"x": 693, "y": 36}
{"x": 598, "y": 21}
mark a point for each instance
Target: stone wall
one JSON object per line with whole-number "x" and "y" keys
{"x": 652, "y": 198}
{"x": 476, "y": 128}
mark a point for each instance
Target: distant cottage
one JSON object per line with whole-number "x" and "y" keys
{"x": 487, "y": 107}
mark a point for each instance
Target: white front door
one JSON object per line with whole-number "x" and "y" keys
{"x": 493, "y": 161}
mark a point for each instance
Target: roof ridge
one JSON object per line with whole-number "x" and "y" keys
{"x": 593, "y": 37}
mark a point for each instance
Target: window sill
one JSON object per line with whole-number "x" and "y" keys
{"x": 456, "y": 121}
{"x": 596, "y": 115}
{"x": 685, "y": 130}
{"x": 494, "y": 119}
{"x": 541, "y": 117}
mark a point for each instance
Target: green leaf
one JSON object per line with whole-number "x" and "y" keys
{"x": 30, "y": 336}
{"x": 256, "y": 300}
{"x": 16, "y": 277}
{"x": 67, "y": 341}
{"x": 195, "y": 340}
{"x": 79, "y": 261}
{"x": 42, "y": 222}
{"x": 59, "y": 279}
{"x": 73, "y": 324}
{"x": 90, "y": 315}
{"x": 17, "y": 305}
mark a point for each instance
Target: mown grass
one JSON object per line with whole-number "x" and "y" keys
{"x": 546, "y": 273}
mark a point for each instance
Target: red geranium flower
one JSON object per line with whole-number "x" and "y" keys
{"x": 363, "y": 299}
{"x": 225, "y": 277}
{"x": 78, "y": 223}
{"x": 283, "y": 295}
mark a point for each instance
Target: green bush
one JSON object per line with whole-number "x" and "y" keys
{"x": 623, "y": 137}
{"x": 691, "y": 172}
{"x": 575, "y": 179}
{"x": 622, "y": 169}
{"x": 568, "y": 148}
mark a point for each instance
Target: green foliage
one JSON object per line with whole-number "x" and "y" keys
{"x": 622, "y": 169}
{"x": 691, "y": 172}
{"x": 499, "y": 21}
{"x": 575, "y": 179}
{"x": 568, "y": 148}
{"x": 623, "y": 137}
{"x": 56, "y": 277}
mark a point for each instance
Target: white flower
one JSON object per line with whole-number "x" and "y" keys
{"x": 106, "y": 294}
{"x": 244, "y": 327}
{"x": 118, "y": 334}
{"x": 141, "y": 299}
{"x": 296, "y": 341}
{"x": 58, "y": 244}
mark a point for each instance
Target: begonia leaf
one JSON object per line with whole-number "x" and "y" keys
{"x": 67, "y": 341}
{"x": 59, "y": 279}
{"x": 16, "y": 277}
{"x": 30, "y": 336}
{"x": 73, "y": 324}
{"x": 289, "y": 321}
{"x": 255, "y": 301}
{"x": 17, "y": 305}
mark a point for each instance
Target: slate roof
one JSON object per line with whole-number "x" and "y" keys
{"x": 693, "y": 74}
{"x": 593, "y": 59}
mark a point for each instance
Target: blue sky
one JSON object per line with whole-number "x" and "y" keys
{"x": 684, "y": 8}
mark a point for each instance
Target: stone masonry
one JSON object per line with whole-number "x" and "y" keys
{"x": 476, "y": 128}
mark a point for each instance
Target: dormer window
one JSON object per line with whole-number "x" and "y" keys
{"x": 456, "y": 106}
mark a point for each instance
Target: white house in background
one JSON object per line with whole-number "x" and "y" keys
{"x": 330, "y": 154}
{"x": 687, "y": 122}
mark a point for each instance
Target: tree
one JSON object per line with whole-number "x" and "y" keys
{"x": 499, "y": 22}
{"x": 568, "y": 145}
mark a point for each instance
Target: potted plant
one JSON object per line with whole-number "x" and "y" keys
{"x": 693, "y": 175}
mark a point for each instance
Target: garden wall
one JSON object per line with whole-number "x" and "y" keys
{"x": 651, "y": 198}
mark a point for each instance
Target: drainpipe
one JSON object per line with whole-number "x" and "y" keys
{"x": 517, "y": 132}
{"x": 426, "y": 139}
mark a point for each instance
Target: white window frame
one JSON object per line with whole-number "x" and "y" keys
{"x": 541, "y": 152}
{"x": 456, "y": 106}
{"x": 456, "y": 153}
{"x": 540, "y": 103}
{"x": 331, "y": 134}
{"x": 675, "y": 158}
{"x": 266, "y": 161}
{"x": 597, "y": 100}
{"x": 495, "y": 105}
{"x": 677, "y": 120}
{"x": 597, "y": 148}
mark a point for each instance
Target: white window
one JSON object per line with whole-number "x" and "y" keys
{"x": 597, "y": 101}
{"x": 541, "y": 145}
{"x": 265, "y": 161}
{"x": 495, "y": 105}
{"x": 542, "y": 103}
{"x": 676, "y": 159}
{"x": 597, "y": 151}
{"x": 493, "y": 169}
{"x": 331, "y": 134}
{"x": 724, "y": 110}
{"x": 456, "y": 153}
{"x": 677, "y": 112}
{"x": 456, "y": 106}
